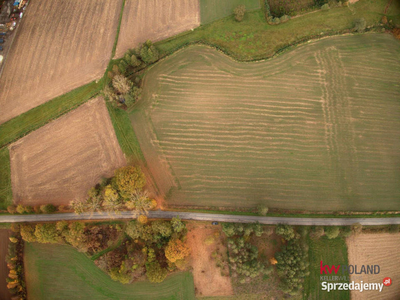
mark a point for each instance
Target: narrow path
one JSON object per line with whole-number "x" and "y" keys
{"x": 202, "y": 217}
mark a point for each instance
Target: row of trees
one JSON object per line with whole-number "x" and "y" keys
{"x": 21, "y": 209}
{"x": 14, "y": 258}
{"x": 123, "y": 191}
{"x": 122, "y": 90}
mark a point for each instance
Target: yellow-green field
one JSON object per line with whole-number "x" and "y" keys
{"x": 61, "y": 272}
{"x": 317, "y": 128}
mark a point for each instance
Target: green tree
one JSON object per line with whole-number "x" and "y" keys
{"x": 346, "y": 231}
{"x": 177, "y": 224}
{"x": 28, "y": 233}
{"x": 332, "y": 232}
{"x": 162, "y": 229}
{"x": 137, "y": 230}
{"x": 286, "y": 231}
{"x": 46, "y": 233}
{"x": 228, "y": 229}
{"x": 28, "y": 209}
{"x": 135, "y": 62}
{"x": 155, "y": 273}
{"x": 48, "y": 208}
{"x": 258, "y": 230}
{"x": 239, "y": 12}
{"x": 75, "y": 236}
{"x": 149, "y": 53}
{"x": 128, "y": 180}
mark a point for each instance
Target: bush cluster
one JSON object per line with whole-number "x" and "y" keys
{"x": 22, "y": 209}
{"x": 14, "y": 258}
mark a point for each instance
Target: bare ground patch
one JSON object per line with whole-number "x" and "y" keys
{"x": 60, "y": 46}
{"x": 4, "y": 235}
{"x": 155, "y": 20}
{"x": 376, "y": 249}
{"x": 62, "y": 160}
{"x": 208, "y": 280}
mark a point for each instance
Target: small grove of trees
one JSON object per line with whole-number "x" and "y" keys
{"x": 239, "y": 12}
{"x": 239, "y": 229}
{"x": 122, "y": 90}
{"x": 14, "y": 258}
{"x": 124, "y": 190}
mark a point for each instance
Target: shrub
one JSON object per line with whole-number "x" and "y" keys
{"x": 155, "y": 273}
{"x": 28, "y": 209}
{"x": 142, "y": 219}
{"x": 346, "y": 231}
{"x": 209, "y": 240}
{"x": 121, "y": 84}
{"x": 332, "y": 232}
{"x": 12, "y": 209}
{"x": 276, "y": 21}
{"x": 284, "y": 18}
{"x": 356, "y": 228}
{"x": 317, "y": 232}
{"x": 325, "y": 7}
{"x": 360, "y": 25}
{"x": 239, "y": 12}
{"x": 37, "y": 209}
{"x": 48, "y": 208}
{"x": 286, "y": 231}
{"x": 20, "y": 209}
{"x": 262, "y": 210}
{"x": 122, "y": 66}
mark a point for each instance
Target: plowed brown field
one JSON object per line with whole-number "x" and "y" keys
{"x": 4, "y": 235}
{"x": 155, "y": 20}
{"x": 376, "y": 249}
{"x": 60, "y": 46}
{"x": 62, "y": 160}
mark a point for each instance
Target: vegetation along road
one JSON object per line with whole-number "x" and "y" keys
{"x": 201, "y": 217}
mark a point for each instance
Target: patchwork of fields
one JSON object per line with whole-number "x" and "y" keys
{"x": 62, "y": 160}
{"x": 376, "y": 249}
{"x": 314, "y": 129}
{"x": 4, "y": 235}
{"x": 155, "y": 20}
{"x": 61, "y": 272}
{"x": 212, "y": 10}
{"x": 60, "y": 46}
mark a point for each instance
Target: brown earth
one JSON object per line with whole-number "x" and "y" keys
{"x": 4, "y": 235}
{"x": 376, "y": 249}
{"x": 60, "y": 45}
{"x": 208, "y": 280}
{"x": 155, "y": 20}
{"x": 62, "y": 160}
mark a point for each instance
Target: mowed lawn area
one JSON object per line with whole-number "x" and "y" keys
{"x": 330, "y": 252}
{"x": 61, "y": 272}
{"x": 317, "y": 128}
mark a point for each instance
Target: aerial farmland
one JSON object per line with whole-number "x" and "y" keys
{"x": 205, "y": 149}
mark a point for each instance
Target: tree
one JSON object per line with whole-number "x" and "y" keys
{"x": 20, "y": 209}
{"x": 239, "y": 12}
{"x": 162, "y": 229}
{"x": 122, "y": 66}
{"x": 228, "y": 229}
{"x": 142, "y": 219}
{"x": 177, "y": 224}
{"x": 176, "y": 250}
{"x": 332, "y": 232}
{"x": 317, "y": 232}
{"x": 346, "y": 231}
{"x": 12, "y": 209}
{"x": 28, "y": 233}
{"x": 46, "y": 233}
{"x": 62, "y": 225}
{"x": 75, "y": 236}
{"x": 360, "y": 25}
{"x": 139, "y": 202}
{"x": 110, "y": 199}
{"x": 148, "y": 52}
{"x": 286, "y": 231}
{"x": 48, "y": 208}
{"x": 356, "y": 228}
{"x": 28, "y": 209}
{"x": 109, "y": 93}
{"x": 121, "y": 84}
{"x": 258, "y": 230}
{"x": 135, "y": 62}
{"x": 155, "y": 273}
{"x": 262, "y": 210}
{"x": 137, "y": 230}
{"x": 78, "y": 206}
{"x": 128, "y": 180}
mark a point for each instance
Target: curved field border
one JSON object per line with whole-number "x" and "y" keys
{"x": 61, "y": 272}
{"x": 303, "y": 131}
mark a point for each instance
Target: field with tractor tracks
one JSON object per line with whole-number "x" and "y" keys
{"x": 61, "y": 272}
{"x": 60, "y": 45}
{"x": 317, "y": 128}
{"x": 155, "y": 20}
{"x": 62, "y": 160}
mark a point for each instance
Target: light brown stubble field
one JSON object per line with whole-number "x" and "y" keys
{"x": 60, "y": 45}
{"x": 376, "y": 249}
{"x": 62, "y": 160}
{"x": 155, "y": 20}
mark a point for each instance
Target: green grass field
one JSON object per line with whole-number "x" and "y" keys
{"x": 211, "y": 10}
{"x": 254, "y": 39}
{"x": 313, "y": 129}
{"x": 5, "y": 179}
{"x": 61, "y": 272}
{"x": 331, "y": 252}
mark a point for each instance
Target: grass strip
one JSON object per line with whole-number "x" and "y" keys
{"x": 43, "y": 114}
{"x": 5, "y": 179}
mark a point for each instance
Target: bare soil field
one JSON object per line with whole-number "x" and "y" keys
{"x": 4, "y": 235}
{"x": 60, "y": 46}
{"x": 312, "y": 129}
{"x": 208, "y": 280}
{"x": 60, "y": 161}
{"x": 155, "y": 20}
{"x": 376, "y": 249}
